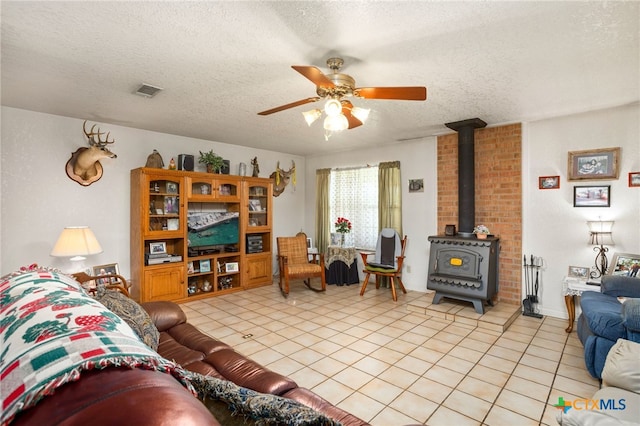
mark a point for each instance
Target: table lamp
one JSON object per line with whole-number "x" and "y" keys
{"x": 600, "y": 235}
{"x": 76, "y": 242}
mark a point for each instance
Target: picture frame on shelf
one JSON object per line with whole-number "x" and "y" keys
{"x": 581, "y": 272}
{"x": 158, "y": 248}
{"x": 173, "y": 224}
{"x": 190, "y": 269}
{"x": 634, "y": 179}
{"x": 205, "y": 265}
{"x": 336, "y": 238}
{"x": 592, "y": 196}
{"x": 108, "y": 269}
{"x": 172, "y": 188}
{"x": 231, "y": 267}
{"x": 625, "y": 264}
{"x": 255, "y": 205}
{"x": 170, "y": 205}
{"x": 549, "y": 182}
{"x": 309, "y": 243}
{"x": 594, "y": 164}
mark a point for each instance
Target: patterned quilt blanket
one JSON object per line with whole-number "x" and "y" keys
{"x": 51, "y": 331}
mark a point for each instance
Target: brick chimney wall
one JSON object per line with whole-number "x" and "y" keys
{"x": 498, "y": 174}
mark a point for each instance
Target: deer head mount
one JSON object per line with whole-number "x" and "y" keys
{"x": 84, "y": 165}
{"x": 281, "y": 178}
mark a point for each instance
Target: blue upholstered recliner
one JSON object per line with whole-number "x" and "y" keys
{"x": 604, "y": 319}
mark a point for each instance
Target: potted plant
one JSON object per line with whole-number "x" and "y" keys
{"x": 481, "y": 232}
{"x": 214, "y": 162}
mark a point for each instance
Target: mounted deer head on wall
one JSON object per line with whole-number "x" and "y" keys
{"x": 281, "y": 178}
{"x": 84, "y": 165}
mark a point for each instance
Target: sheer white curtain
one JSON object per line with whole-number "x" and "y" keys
{"x": 354, "y": 195}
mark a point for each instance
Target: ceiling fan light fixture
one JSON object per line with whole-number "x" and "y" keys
{"x": 333, "y": 107}
{"x": 360, "y": 113}
{"x": 336, "y": 123}
{"x": 311, "y": 116}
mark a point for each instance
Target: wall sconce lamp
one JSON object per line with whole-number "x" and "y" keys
{"x": 76, "y": 242}
{"x": 600, "y": 235}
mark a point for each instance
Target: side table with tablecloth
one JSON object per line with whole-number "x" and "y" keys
{"x": 572, "y": 287}
{"x": 341, "y": 265}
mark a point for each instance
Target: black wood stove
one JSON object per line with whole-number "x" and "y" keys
{"x": 462, "y": 266}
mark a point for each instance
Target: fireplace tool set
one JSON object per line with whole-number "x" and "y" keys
{"x": 532, "y": 284}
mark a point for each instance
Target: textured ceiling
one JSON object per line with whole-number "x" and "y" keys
{"x": 220, "y": 63}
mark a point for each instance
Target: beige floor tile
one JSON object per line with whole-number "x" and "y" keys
{"x": 413, "y": 365}
{"x": 371, "y": 366}
{"x": 328, "y": 366}
{"x": 430, "y": 389}
{"x": 521, "y": 404}
{"x": 414, "y": 406}
{"x": 381, "y": 391}
{"x": 527, "y": 387}
{"x": 489, "y": 375}
{"x": 399, "y": 377}
{"x": 307, "y": 377}
{"x": 575, "y": 387}
{"x": 497, "y": 363}
{"x": 576, "y": 373}
{"x": 533, "y": 374}
{"x": 353, "y": 377}
{"x": 389, "y": 416}
{"x": 361, "y": 406}
{"x": 539, "y": 363}
{"x": 426, "y": 354}
{"x": 550, "y": 354}
{"x": 470, "y": 406}
{"x": 347, "y": 356}
{"x": 333, "y": 391}
{"x": 499, "y": 416}
{"x": 456, "y": 364}
{"x": 444, "y": 416}
{"x": 479, "y": 388}
{"x": 470, "y": 355}
{"x": 443, "y": 375}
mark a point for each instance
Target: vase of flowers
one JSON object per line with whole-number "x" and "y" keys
{"x": 481, "y": 232}
{"x": 343, "y": 226}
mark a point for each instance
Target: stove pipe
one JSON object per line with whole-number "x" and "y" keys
{"x": 466, "y": 173}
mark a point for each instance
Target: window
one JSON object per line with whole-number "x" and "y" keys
{"x": 354, "y": 195}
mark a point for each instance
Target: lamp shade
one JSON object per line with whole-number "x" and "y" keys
{"x": 336, "y": 123}
{"x": 76, "y": 242}
{"x": 601, "y": 232}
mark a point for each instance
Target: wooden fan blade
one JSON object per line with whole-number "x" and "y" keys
{"x": 291, "y": 105}
{"x": 346, "y": 110}
{"x": 314, "y": 75}
{"x": 400, "y": 93}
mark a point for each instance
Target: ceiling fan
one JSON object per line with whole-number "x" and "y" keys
{"x": 341, "y": 114}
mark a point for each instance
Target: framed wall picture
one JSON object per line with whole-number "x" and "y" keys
{"x": 592, "y": 196}
{"x": 581, "y": 272}
{"x": 108, "y": 269}
{"x": 416, "y": 185}
{"x": 309, "y": 243}
{"x": 625, "y": 264}
{"x": 548, "y": 182}
{"x": 634, "y": 179}
{"x": 593, "y": 164}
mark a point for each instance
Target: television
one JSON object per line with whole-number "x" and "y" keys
{"x": 208, "y": 230}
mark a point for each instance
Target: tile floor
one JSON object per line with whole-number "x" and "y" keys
{"x": 394, "y": 364}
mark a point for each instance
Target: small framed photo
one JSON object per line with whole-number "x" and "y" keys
{"x": 309, "y": 243}
{"x": 255, "y": 205}
{"x": 634, "y": 179}
{"x": 158, "y": 248}
{"x": 170, "y": 205}
{"x": 626, "y": 265}
{"x": 592, "y": 196}
{"x": 416, "y": 185}
{"x": 336, "y": 238}
{"x": 173, "y": 224}
{"x": 172, "y": 188}
{"x": 231, "y": 267}
{"x": 593, "y": 164}
{"x": 205, "y": 265}
{"x": 108, "y": 269}
{"x": 581, "y": 272}
{"x": 549, "y": 182}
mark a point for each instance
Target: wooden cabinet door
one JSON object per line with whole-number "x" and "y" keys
{"x": 258, "y": 267}
{"x": 164, "y": 283}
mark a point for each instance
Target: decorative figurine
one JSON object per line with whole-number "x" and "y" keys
{"x": 256, "y": 167}
{"x": 172, "y": 164}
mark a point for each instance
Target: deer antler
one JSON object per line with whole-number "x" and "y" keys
{"x": 91, "y": 135}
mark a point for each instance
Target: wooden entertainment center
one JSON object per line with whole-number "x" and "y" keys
{"x": 196, "y": 235}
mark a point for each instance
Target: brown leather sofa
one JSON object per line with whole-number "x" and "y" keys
{"x": 195, "y": 351}
{"x": 123, "y": 396}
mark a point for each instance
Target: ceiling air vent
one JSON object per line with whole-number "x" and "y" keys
{"x": 147, "y": 90}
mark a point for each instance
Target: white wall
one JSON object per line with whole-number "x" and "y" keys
{"x": 418, "y": 160}
{"x": 553, "y": 228}
{"x": 38, "y": 199}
